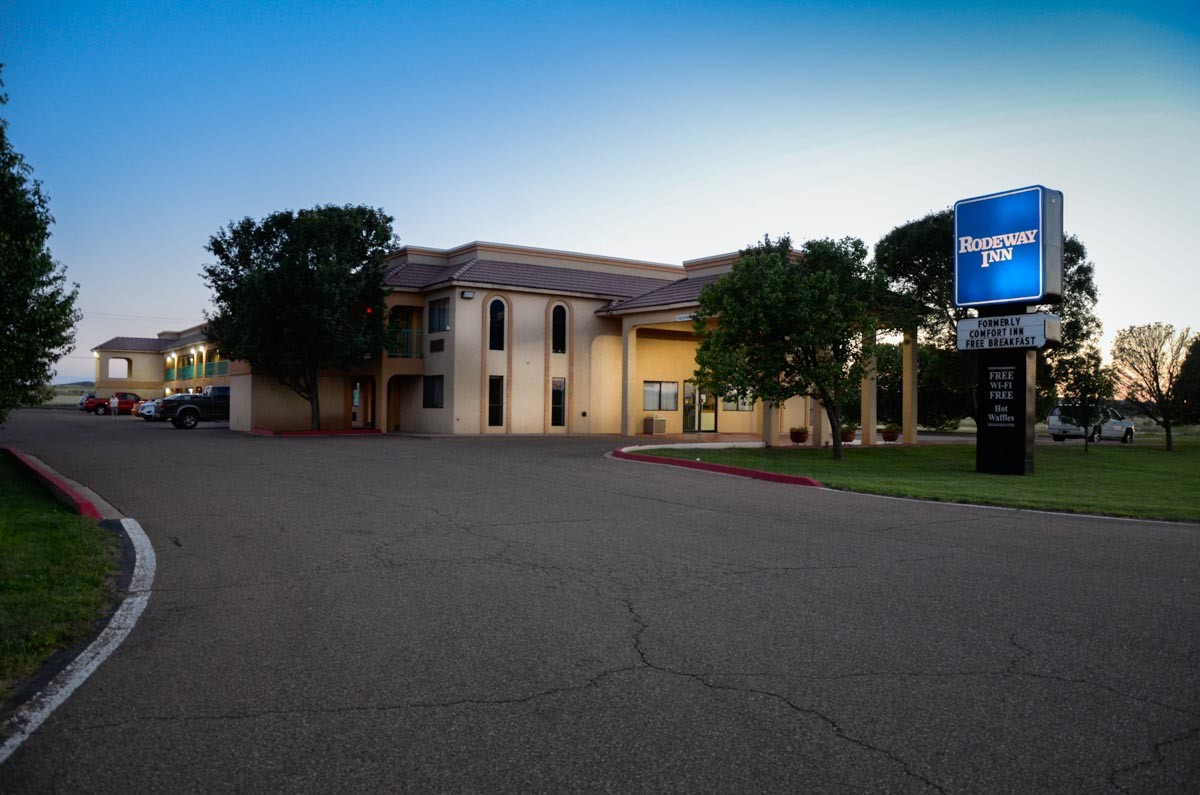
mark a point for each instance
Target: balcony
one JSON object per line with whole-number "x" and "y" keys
{"x": 405, "y": 343}
{"x": 216, "y": 368}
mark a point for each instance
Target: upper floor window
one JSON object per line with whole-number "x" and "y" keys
{"x": 439, "y": 315}
{"x": 558, "y": 329}
{"x": 496, "y": 325}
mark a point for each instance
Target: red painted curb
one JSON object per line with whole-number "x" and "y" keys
{"x": 346, "y": 432}
{"x": 742, "y": 472}
{"x": 57, "y": 486}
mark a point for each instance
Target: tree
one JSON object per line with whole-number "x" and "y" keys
{"x": 918, "y": 260}
{"x": 1147, "y": 363}
{"x": 1087, "y": 388}
{"x": 37, "y": 310}
{"x": 789, "y": 323}
{"x": 300, "y": 292}
{"x": 1189, "y": 385}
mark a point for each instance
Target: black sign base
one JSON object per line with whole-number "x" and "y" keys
{"x": 1006, "y": 389}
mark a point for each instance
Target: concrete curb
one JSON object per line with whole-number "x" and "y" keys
{"x": 58, "y": 487}
{"x": 33, "y": 711}
{"x": 741, "y": 472}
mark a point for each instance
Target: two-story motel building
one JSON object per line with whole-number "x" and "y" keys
{"x": 493, "y": 338}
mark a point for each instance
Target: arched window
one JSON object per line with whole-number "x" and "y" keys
{"x": 558, "y": 329}
{"x": 496, "y": 325}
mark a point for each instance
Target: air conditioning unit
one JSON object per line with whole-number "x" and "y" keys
{"x": 655, "y": 425}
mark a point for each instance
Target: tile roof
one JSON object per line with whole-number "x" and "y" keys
{"x": 682, "y": 291}
{"x": 523, "y": 275}
{"x": 415, "y": 275}
{"x": 147, "y": 344}
{"x": 151, "y": 344}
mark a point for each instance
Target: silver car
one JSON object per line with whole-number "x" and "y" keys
{"x": 1114, "y": 426}
{"x": 149, "y": 411}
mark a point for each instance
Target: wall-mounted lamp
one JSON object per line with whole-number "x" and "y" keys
{"x": 468, "y": 294}
{"x": 193, "y": 351}
{"x": 173, "y": 355}
{"x": 167, "y": 358}
{"x": 96, "y": 354}
{"x": 202, "y": 349}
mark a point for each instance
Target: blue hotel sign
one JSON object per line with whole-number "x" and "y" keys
{"x": 1008, "y": 248}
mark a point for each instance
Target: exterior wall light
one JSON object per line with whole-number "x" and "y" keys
{"x": 193, "y": 351}
{"x": 468, "y": 294}
{"x": 96, "y": 354}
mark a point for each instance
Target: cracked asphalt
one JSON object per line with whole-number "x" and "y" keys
{"x": 524, "y": 615}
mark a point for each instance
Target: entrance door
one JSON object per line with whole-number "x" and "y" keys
{"x": 362, "y": 403}
{"x": 699, "y": 409}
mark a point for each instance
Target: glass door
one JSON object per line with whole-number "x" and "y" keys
{"x": 699, "y": 409}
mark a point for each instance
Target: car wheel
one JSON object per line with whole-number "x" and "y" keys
{"x": 188, "y": 420}
{"x": 1128, "y": 437}
{"x": 1058, "y": 438}
{"x": 101, "y": 410}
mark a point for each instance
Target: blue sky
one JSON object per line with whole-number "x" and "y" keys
{"x": 652, "y": 131}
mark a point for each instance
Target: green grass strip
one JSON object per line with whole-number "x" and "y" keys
{"x": 55, "y": 575}
{"x": 1140, "y": 481}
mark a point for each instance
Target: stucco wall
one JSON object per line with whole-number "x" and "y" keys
{"x": 145, "y": 374}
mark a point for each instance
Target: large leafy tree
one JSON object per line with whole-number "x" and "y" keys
{"x": 789, "y": 323}
{"x": 1148, "y": 366}
{"x": 300, "y": 292}
{"x": 37, "y": 307}
{"x": 1087, "y": 387}
{"x": 918, "y": 260}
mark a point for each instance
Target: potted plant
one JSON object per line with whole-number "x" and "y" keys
{"x": 890, "y": 432}
{"x": 798, "y": 434}
{"x": 849, "y": 429}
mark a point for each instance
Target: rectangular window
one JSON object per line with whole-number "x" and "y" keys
{"x": 495, "y": 401}
{"x": 660, "y": 395}
{"x": 741, "y": 404}
{"x": 558, "y": 402}
{"x": 439, "y": 315}
{"x": 437, "y": 346}
{"x": 433, "y": 396}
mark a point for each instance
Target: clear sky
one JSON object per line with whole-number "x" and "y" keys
{"x": 652, "y": 131}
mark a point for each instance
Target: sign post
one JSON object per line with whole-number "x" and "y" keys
{"x": 1008, "y": 255}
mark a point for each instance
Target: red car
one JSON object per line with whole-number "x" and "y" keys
{"x": 100, "y": 405}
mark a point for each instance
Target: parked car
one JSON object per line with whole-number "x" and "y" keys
{"x": 186, "y": 411}
{"x": 100, "y": 405}
{"x": 1114, "y": 426}
{"x": 148, "y": 410}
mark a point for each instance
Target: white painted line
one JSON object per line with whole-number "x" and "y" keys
{"x": 31, "y": 715}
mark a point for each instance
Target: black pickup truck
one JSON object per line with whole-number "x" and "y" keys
{"x": 185, "y": 411}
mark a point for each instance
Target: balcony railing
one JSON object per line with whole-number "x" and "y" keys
{"x": 215, "y": 368}
{"x": 405, "y": 343}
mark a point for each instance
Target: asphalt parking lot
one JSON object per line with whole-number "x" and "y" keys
{"x": 525, "y": 614}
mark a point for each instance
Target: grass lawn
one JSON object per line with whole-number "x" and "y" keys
{"x": 55, "y": 570}
{"x": 1121, "y": 480}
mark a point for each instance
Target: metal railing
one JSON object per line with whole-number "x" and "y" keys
{"x": 405, "y": 343}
